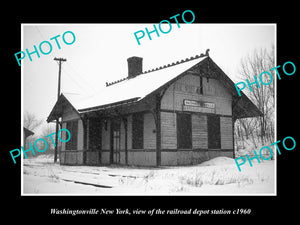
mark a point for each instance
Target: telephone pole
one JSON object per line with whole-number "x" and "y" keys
{"x": 60, "y": 60}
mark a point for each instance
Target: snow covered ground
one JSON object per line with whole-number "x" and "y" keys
{"x": 218, "y": 176}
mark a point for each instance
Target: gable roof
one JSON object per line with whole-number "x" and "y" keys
{"x": 61, "y": 104}
{"x": 134, "y": 89}
{"x": 138, "y": 87}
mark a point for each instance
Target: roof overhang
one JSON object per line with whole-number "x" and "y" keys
{"x": 242, "y": 106}
{"x": 27, "y": 132}
{"x": 59, "y": 107}
{"x": 108, "y": 106}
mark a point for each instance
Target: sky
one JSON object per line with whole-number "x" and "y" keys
{"x": 100, "y": 51}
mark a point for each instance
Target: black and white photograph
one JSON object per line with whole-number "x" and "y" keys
{"x": 136, "y": 112}
{"x": 159, "y": 116}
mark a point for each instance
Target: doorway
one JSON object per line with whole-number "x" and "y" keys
{"x": 95, "y": 138}
{"x": 213, "y": 132}
{"x": 115, "y": 144}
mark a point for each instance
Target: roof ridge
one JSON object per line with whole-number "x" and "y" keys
{"x": 163, "y": 67}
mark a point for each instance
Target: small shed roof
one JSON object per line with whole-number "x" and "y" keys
{"x": 27, "y": 132}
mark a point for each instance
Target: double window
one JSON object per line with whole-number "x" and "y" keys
{"x": 184, "y": 131}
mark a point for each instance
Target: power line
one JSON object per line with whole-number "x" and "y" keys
{"x": 40, "y": 32}
{"x": 82, "y": 78}
{"x": 77, "y": 83}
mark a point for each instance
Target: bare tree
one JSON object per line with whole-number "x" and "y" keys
{"x": 263, "y": 97}
{"x": 31, "y": 121}
{"x": 247, "y": 128}
{"x": 45, "y": 131}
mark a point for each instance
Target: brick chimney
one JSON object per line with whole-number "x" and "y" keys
{"x": 135, "y": 66}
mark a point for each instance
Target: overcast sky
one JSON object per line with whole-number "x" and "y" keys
{"x": 100, "y": 51}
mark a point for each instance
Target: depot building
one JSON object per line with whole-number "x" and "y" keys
{"x": 181, "y": 113}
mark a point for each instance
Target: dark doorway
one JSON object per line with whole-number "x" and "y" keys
{"x": 214, "y": 134}
{"x": 94, "y": 134}
{"x": 138, "y": 131}
{"x": 184, "y": 131}
{"x": 115, "y": 144}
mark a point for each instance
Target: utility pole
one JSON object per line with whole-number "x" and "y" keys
{"x": 58, "y": 94}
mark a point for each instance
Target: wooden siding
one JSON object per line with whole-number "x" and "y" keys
{"x": 168, "y": 130}
{"x": 93, "y": 157}
{"x": 129, "y": 130}
{"x": 69, "y": 114}
{"x": 141, "y": 158}
{"x": 122, "y": 136}
{"x": 71, "y": 157}
{"x": 105, "y": 158}
{"x": 149, "y": 131}
{"x": 199, "y": 131}
{"x": 226, "y": 132}
{"x": 80, "y": 135}
{"x": 63, "y": 134}
{"x": 188, "y": 87}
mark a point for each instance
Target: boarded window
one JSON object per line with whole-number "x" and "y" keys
{"x": 184, "y": 131}
{"x": 137, "y": 130}
{"x": 72, "y": 126}
{"x": 213, "y": 130}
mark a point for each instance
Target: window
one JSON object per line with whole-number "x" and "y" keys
{"x": 213, "y": 130}
{"x": 184, "y": 131}
{"x": 137, "y": 130}
{"x": 201, "y": 86}
{"x": 72, "y": 126}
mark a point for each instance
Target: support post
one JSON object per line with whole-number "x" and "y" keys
{"x": 126, "y": 150}
{"x": 158, "y": 130}
{"x": 85, "y": 133}
{"x": 56, "y": 140}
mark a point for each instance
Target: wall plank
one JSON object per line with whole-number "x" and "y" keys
{"x": 188, "y": 88}
{"x": 168, "y": 130}
{"x": 149, "y": 135}
{"x": 199, "y": 131}
{"x": 226, "y": 132}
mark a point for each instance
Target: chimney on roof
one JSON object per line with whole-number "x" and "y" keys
{"x": 135, "y": 66}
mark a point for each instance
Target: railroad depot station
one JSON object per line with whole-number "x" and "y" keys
{"x": 181, "y": 113}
